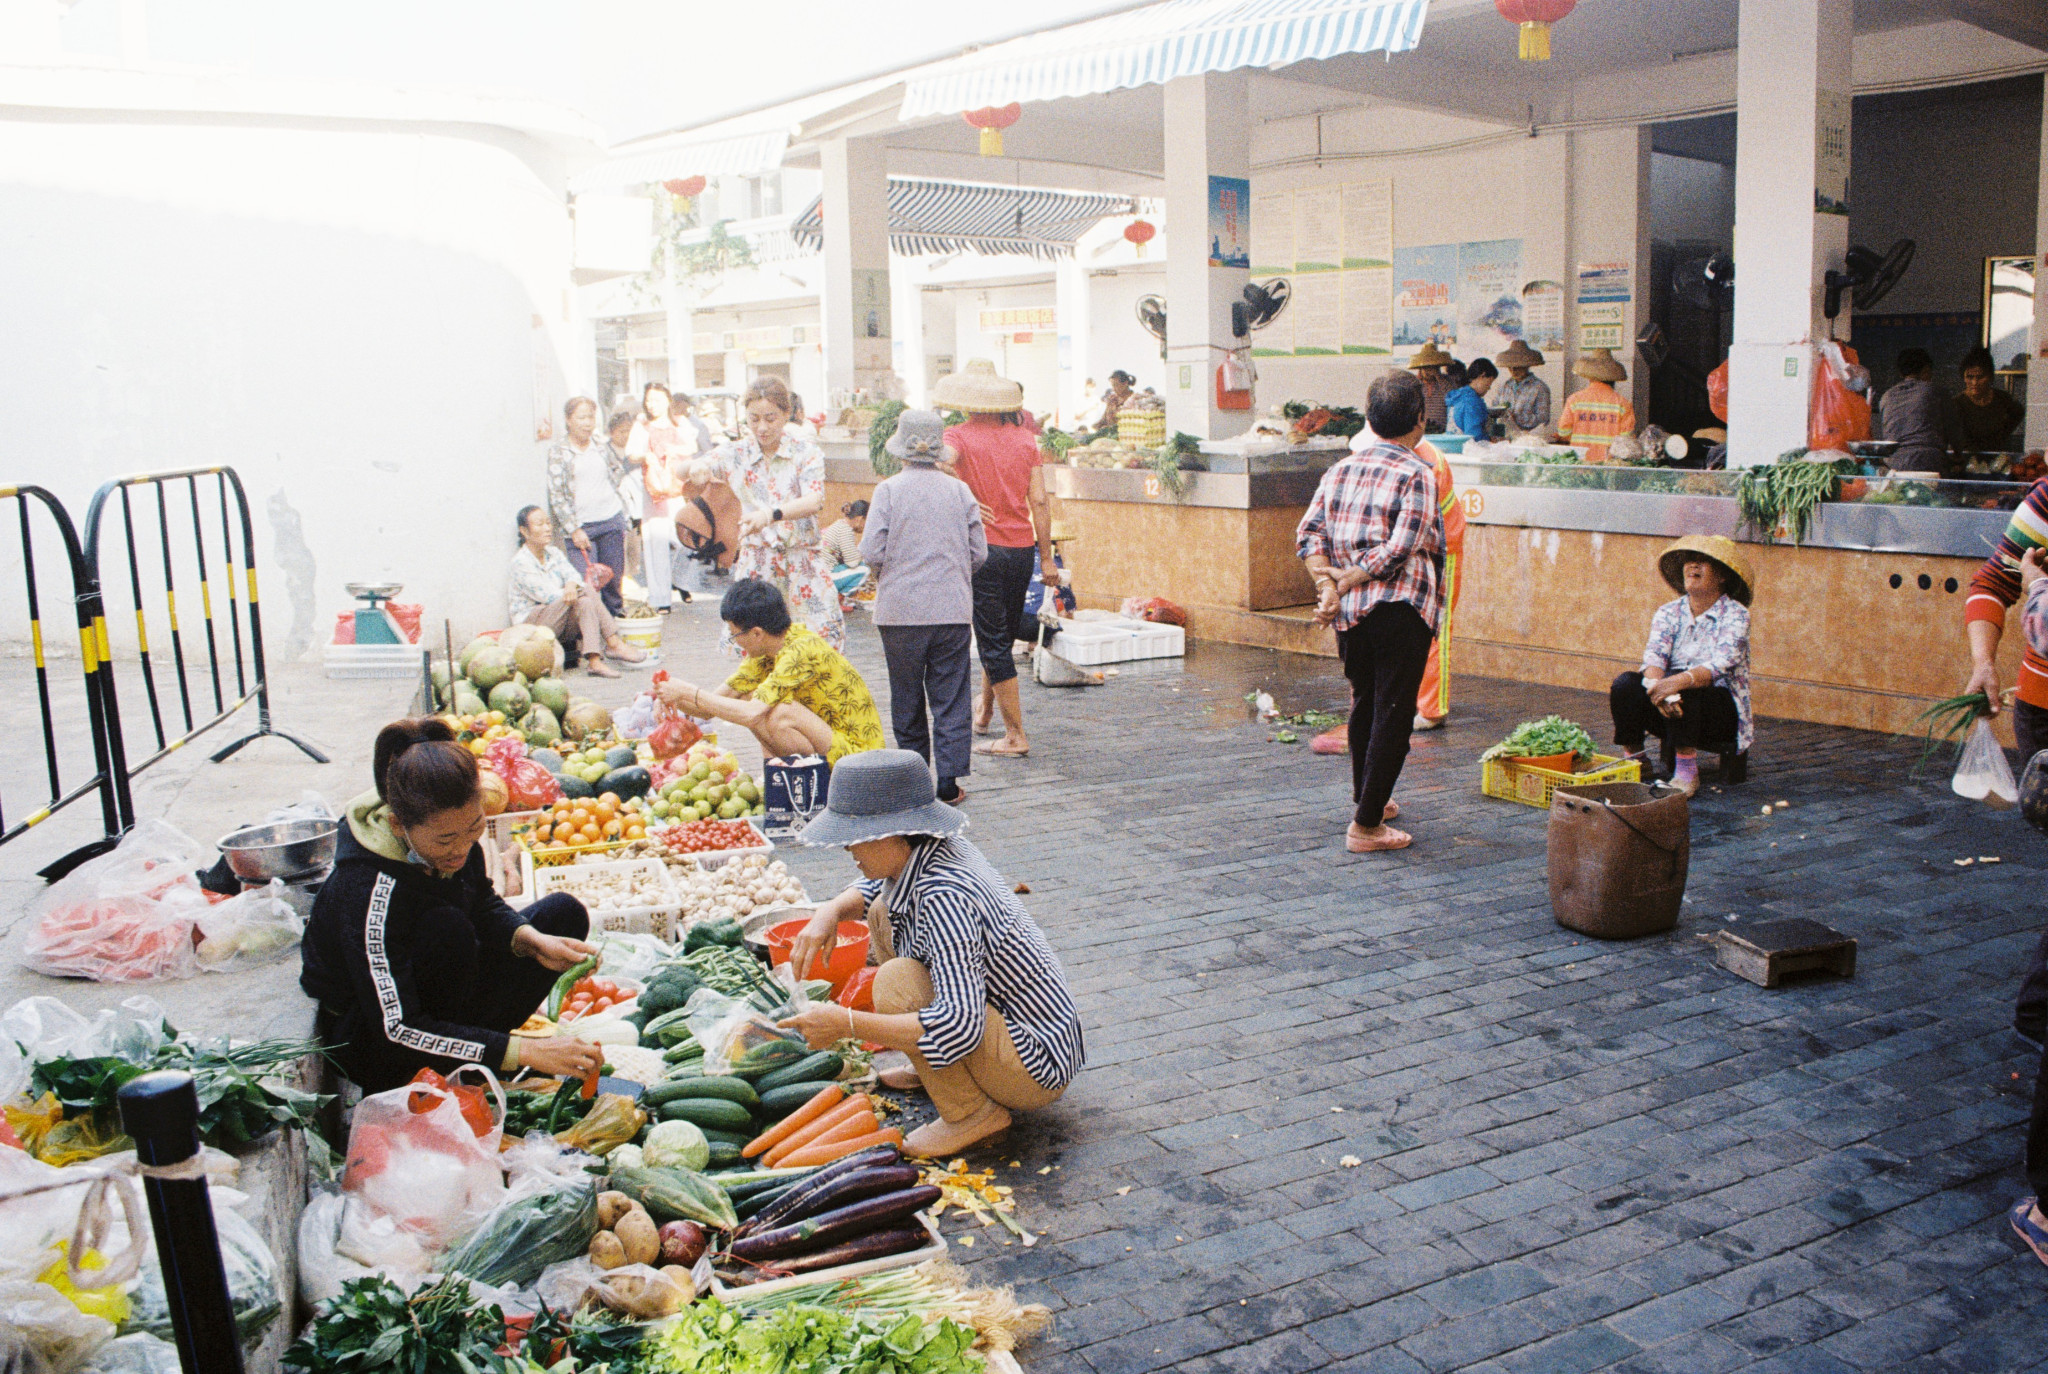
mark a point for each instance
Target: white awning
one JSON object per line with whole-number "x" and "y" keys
{"x": 955, "y": 216}
{"x": 736, "y": 155}
{"x": 1153, "y": 45}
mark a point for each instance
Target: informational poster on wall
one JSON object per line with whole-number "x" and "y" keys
{"x": 1425, "y": 295}
{"x": 1604, "y": 290}
{"x": 1831, "y": 153}
{"x": 1272, "y": 235}
{"x": 1334, "y": 244}
{"x": 1230, "y": 242}
{"x": 1543, "y": 316}
{"x": 1368, "y": 267}
{"x": 1318, "y": 310}
{"x": 1489, "y": 295}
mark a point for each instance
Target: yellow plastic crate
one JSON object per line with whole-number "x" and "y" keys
{"x": 1511, "y": 781}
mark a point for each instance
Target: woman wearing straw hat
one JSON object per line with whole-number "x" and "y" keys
{"x": 1596, "y": 415}
{"x": 997, "y": 456}
{"x": 924, "y": 540}
{"x": 1428, "y": 363}
{"x": 1527, "y": 397}
{"x": 968, "y": 988}
{"x": 1693, "y": 687}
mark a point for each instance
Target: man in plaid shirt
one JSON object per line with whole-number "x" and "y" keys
{"x": 1373, "y": 540}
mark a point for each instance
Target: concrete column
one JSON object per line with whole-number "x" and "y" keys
{"x": 1608, "y": 191}
{"x": 2037, "y": 362}
{"x": 1071, "y": 309}
{"x": 856, "y": 300}
{"x": 1792, "y": 77}
{"x": 906, "y": 307}
{"x": 1208, "y": 134}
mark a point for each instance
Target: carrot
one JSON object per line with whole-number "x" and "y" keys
{"x": 814, "y": 1155}
{"x": 851, "y": 1107}
{"x": 860, "y": 1123}
{"x": 830, "y": 1096}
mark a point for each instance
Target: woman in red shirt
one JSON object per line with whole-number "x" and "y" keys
{"x": 999, "y": 460}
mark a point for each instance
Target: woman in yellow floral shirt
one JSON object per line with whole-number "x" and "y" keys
{"x": 795, "y": 693}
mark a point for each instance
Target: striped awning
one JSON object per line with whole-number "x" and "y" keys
{"x": 964, "y": 216}
{"x": 735, "y": 155}
{"x": 1149, "y": 46}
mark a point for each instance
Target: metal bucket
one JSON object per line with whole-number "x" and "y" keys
{"x": 291, "y": 850}
{"x": 1618, "y": 854}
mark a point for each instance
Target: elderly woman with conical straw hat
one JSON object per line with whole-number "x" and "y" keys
{"x": 1525, "y": 396}
{"x": 1693, "y": 687}
{"x": 1429, "y": 363}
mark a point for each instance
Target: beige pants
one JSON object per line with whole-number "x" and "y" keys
{"x": 583, "y": 628}
{"x": 991, "y": 1070}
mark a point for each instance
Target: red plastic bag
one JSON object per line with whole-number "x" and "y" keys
{"x": 469, "y": 1099}
{"x": 1717, "y": 391}
{"x": 859, "y": 992}
{"x": 530, "y": 786}
{"x": 674, "y": 732}
{"x": 1839, "y": 416}
{"x": 1156, "y": 609}
{"x": 344, "y": 627}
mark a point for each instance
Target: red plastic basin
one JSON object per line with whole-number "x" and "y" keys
{"x": 849, "y": 956}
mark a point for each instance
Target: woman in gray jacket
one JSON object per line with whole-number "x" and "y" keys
{"x": 924, "y": 541}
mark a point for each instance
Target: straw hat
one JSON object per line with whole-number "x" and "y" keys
{"x": 1716, "y": 548}
{"x": 879, "y": 793}
{"x": 1519, "y": 354}
{"x": 1599, "y": 365}
{"x": 977, "y": 390}
{"x": 1429, "y": 355}
{"x": 920, "y": 438}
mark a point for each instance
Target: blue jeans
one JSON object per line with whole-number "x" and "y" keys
{"x": 607, "y": 546}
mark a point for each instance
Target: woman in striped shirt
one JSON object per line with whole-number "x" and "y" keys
{"x": 972, "y": 992}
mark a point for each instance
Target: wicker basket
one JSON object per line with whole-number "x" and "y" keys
{"x": 1510, "y": 780}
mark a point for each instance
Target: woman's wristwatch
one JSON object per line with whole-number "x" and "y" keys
{"x": 775, "y": 516}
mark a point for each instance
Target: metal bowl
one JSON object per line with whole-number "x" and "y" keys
{"x": 755, "y": 925}
{"x": 381, "y": 590}
{"x": 290, "y": 850}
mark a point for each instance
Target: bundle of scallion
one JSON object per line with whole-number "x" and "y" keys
{"x": 1949, "y": 719}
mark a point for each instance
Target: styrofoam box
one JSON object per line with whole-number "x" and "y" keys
{"x": 1117, "y": 639}
{"x": 356, "y": 661}
{"x": 657, "y": 919}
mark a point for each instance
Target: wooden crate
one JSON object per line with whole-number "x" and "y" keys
{"x": 1769, "y": 952}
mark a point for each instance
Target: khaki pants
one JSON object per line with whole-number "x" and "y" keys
{"x": 991, "y": 1071}
{"x": 582, "y": 628}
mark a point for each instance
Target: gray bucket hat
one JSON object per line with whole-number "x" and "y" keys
{"x": 920, "y": 438}
{"x": 879, "y": 793}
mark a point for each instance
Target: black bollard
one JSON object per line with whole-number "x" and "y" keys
{"x": 160, "y": 1112}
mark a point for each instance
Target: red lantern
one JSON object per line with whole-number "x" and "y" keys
{"x": 686, "y": 188}
{"x": 1535, "y": 17}
{"x": 1140, "y": 232}
{"x": 992, "y": 120}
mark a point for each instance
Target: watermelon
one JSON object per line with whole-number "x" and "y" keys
{"x": 627, "y": 782}
{"x": 621, "y": 756}
{"x": 573, "y": 786}
{"x": 546, "y": 758}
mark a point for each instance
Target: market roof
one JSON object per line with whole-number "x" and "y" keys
{"x": 964, "y": 216}
{"x": 1153, "y": 45}
{"x": 739, "y": 154}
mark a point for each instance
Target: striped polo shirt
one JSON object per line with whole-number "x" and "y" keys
{"x": 951, "y": 912}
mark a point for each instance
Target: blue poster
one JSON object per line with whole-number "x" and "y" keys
{"x": 1230, "y": 221}
{"x": 1426, "y": 295}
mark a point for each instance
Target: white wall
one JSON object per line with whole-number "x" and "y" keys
{"x": 1117, "y": 339}
{"x": 364, "y": 323}
{"x": 1035, "y": 365}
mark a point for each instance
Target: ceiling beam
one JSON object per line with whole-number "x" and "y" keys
{"x": 2021, "y": 21}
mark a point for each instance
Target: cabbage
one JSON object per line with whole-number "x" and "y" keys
{"x": 676, "y": 1144}
{"x": 626, "y": 1157}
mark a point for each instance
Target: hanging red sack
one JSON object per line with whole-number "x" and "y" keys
{"x": 1717, "y": 391}
{"x": 529, "y": 785}
{"x": 1838, "y": 416}
{"x": 674, "y": 732}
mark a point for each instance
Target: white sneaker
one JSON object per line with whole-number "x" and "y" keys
{"x": 1423, "y": 722}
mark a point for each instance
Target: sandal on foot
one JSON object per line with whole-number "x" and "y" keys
{"x": 940, "y": 1138}
{"x": 994, "y": 749}
{"x": 2023, "y": 1225}
{"x": 1389, "y": 839}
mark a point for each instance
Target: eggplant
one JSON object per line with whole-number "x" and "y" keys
{"x": 852, "y": 1187}
{"x": 845, "y": 1222}
{"x": 874, "y": 1245}
{"x": 785, "y": 1204}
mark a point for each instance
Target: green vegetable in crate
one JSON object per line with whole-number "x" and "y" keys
{"x": 675, "y": 1142}
{"x": 671, "y": 1194}
{"x": 1541, "y": 739}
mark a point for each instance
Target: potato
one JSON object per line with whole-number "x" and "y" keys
{"x": 606, "y": 1252}
{"x": 637, "y": 1235}
{"x": 681, "y": 1278}
{"x": 611, "y": 1206}
{"x": 645, "y": 1295}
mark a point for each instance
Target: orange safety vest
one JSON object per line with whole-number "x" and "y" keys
{"x": 1594, "y": 417}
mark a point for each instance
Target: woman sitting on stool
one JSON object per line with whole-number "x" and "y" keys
{"x": 973, "y": 993}
{"x": 415, "y": 960}
{"x": 1693, "y": 688}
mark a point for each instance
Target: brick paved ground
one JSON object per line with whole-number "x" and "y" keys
{"x": 1576, "y": 1155}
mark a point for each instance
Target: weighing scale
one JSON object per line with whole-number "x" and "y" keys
{"x": 374, "y": 624}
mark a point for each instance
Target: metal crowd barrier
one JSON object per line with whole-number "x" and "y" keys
{"x": 110, "y": 780}
{"x": 233, "y": 634}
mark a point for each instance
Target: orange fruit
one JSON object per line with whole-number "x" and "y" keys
{"x": 613, "y": 828}
{"x": 609, "y": 799}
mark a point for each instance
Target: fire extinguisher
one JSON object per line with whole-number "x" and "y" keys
{"x": 1235, "y": 375}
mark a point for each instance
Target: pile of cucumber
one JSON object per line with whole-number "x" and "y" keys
{"x": 732, "y": 1109}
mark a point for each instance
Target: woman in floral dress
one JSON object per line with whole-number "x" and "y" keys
{"x": 780, "y": 481}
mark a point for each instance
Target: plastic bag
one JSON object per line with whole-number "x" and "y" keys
{"x": 1154, "y": 608}
{"x": 33, "y": 1222}
{"x": 341, "y": 1239}
{"x": 859, "y": 992}
{"x": 673, "y": 732}
{"x": 253, "y": 928}
{"x": 547, "y": 1218}
{"x": 530, "y": 785}
{"x": 427, "y": 1170}
{"x": 1839, "y": 416}
{"x": 127, "y": 916}
{"x": 141, "y": 1353}
{"x": 626, "y": 955}
{"x": 730, "y": 1029}
{"x": 1983, "y": 771}
{"x": 1717, "y": 391}
{"x": 47, "y": 1028}
{"x": 14, "y": 1071}
{"x": 612, "y": 1121}
{"x": 253, "y": 1294}
{"x": 49, "y": 1325}
{"x": 568, "y": 1286}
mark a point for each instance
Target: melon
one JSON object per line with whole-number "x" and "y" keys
{"x": 575, "y": 787}
{"x": 467, "y": 702}
{"x": 541, "y": 729}
{"x": 547, "y": 758}
{"x": 512, "y": 699}
{"x": 552, "y": 693}
{"x": 538, "y": 654}
{"x": 497, "y": 796}
{"x": 471, "y": 650}
{"x": 489, "y": 667}
{"x": 586, "y": 718}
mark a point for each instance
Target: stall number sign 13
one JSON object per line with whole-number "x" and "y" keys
{"x": 1475, "y": 504}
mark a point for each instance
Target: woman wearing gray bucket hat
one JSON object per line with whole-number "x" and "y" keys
{"x": 973, "y": 993}
{"x": 924, "y": 539}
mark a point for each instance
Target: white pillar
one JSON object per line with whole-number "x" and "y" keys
{"x": 1792, "y": 80}
{"x": 1608, "y": 191}
{"x": 1070, "y": 287}
{"x": 1208, "y": 134}
{"x": 681, "y": 327}
{"x": 906, "y": 308}
{"x": 2037, "y": 358}
{"x": 856, "y": 300}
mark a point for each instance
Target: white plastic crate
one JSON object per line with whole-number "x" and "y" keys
{"x": 1091, "y": 643}
{"x": 359, "y": 661}
{"x": 657, "y": 919}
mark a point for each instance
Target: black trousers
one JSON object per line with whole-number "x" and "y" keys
{"x": 1384, "y": 655}
{"x": 607, "y": 546}
{"x": 1706, "y": 714}
{"x": 471, "y": 985}
{"x": 1000, "y": 586}
{"x": 2030, "y": 1011}
{"x": 929, "y": 664}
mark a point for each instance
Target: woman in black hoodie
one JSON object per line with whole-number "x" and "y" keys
{"x": 415, "y": 960}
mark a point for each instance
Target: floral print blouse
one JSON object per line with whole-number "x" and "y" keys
{"x": 788, "y": 553}
{"x": 1717, "y": 640}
